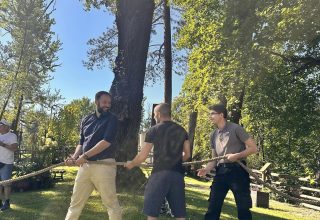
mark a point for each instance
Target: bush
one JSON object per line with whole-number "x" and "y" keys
{"x": 41, "y": 181}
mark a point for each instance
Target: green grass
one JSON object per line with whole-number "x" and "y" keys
{"x": 53, "y": 204}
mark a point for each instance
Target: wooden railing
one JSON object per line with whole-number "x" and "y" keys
{"x": 303, "y": 189}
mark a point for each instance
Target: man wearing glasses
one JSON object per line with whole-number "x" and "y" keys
{"x": 231, "y": 140}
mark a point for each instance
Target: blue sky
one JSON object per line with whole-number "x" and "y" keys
{"x": 75, "y": 27}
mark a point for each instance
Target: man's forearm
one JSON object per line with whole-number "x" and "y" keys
{"x": 139, "y": 159}
{"x": 12, "y": 147}
{"x": 185, "y": 157}
{"x": 143, "y": 154}
{"x": 211, "y": 165}
{"x": 98, "y": 148}
{"x": 246, "y": 153}
{"x": 251, "y": 148}
{"x": 77, "y": 152}
{"x": 186, "y": 150}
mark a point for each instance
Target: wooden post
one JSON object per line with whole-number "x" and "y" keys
{"x": 265, "y": 170}
{"x": 260, "y": 199}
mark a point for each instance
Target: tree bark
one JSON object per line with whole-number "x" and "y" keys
{"x": 133, "y": 19}
{"x": 236, "y": 108}
{"x": 167, "y": 54}
{"x": 16, "y": 73}
{"x": 17, "y": 119}
{"x": 192, "y": 130}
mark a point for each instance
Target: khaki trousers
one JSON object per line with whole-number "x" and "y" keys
{"x": 100, "y": 177}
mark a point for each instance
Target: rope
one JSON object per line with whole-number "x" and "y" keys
{"x": 203, "y": 161}
{"x": 276, "y": 190}
{"x": 6, "y": 182}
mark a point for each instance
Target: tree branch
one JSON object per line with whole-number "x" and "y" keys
{"x": 51, "y": 2}
{"x": 305, "y": 61}
{"x": 159, "y": 56}
{"x": 157, "y": 19}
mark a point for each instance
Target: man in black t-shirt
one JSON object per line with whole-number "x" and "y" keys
{"x": 171, "y": 148}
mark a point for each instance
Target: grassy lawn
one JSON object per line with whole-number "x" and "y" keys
{"x": 53, "y": 204}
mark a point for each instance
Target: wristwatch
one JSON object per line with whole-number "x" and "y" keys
{"x": 85, "y": 156}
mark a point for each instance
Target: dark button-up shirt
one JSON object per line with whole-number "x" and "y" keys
{"x": 95, "y": 129}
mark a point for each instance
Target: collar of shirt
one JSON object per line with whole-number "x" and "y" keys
{"x": 223, "y": 129}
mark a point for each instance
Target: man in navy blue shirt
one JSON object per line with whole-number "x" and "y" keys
{"x": 97, "y": 133}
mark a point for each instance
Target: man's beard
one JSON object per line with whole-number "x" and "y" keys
{"x": 102, "y": 111}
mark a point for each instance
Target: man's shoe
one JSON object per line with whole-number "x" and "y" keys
{"x": 5, "y": 206}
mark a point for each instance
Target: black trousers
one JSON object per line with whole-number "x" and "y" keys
{"x": 236, "y": 179}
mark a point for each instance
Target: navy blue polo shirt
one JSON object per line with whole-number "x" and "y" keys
{"x": 94, "y": 129}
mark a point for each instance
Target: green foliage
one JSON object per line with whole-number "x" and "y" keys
{"x": 261, "y": 58}
{"x": 98, "y": 4}
{"x": 29, "y": 55}
{"x": 66, "y": 124}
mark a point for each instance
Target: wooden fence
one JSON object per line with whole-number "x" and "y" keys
{"x": 298, "y": 187}
{"x": 26, "y": 155}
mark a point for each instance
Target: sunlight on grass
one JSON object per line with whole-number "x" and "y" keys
{"x": 52, "y": 204}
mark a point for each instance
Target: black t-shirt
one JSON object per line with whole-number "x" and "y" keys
{"x": 168, "y": 138}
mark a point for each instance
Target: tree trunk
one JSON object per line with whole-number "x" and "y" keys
{"x": 167, "y": 54}
{"x": 16, "y": 120}
{"x": 192, "y": 131}
{"x": 223, "y": 99}
{"x": 16, "y": 73}
{"x": 236, "y": 108}
{"x": 133, "y": 19}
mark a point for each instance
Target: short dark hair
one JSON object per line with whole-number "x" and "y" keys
{"x": 164, "y": 109}
{"x": 219, "y": 108}
{"x": 101, "y": 93}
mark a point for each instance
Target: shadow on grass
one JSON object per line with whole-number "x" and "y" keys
{"x": 197, "y": 206}
{"x": 38, "y": 205}
{"x": 53, "y": 204}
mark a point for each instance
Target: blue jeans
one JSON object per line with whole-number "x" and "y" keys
{"x": 6, "y": 172}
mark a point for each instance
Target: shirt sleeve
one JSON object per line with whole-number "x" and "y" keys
{"x": 242, "y": 134}
{"x": 13, "y": 139}
{"x": 111, "y": 130}
{"x": 150, "y": 135}
{"x": 81, "y": 133}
